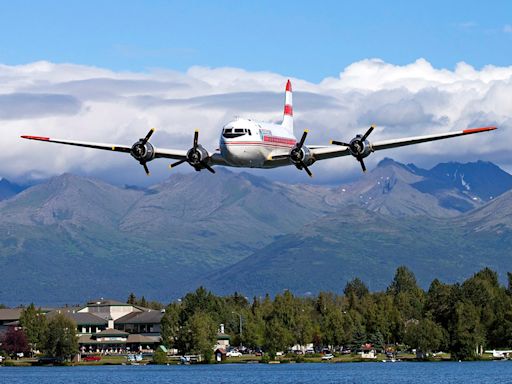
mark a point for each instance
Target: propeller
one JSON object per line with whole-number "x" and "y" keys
{"x": 196, "y": 156}
{"x": 296, "y": 155}
{"x": 358, "y": 146}
{"x": 143, "y": 151}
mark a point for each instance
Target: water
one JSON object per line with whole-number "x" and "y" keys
{"x": 417, "y": 373}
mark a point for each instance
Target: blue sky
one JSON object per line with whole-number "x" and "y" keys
{"x": 109, "y": 70}
{"x": 306, "y": 39}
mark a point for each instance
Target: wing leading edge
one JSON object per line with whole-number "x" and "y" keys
{"x": 176, "y": 154}
{"x": 332, "y": 151}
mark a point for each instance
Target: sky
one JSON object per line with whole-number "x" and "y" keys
{"x": 109, "y": 70}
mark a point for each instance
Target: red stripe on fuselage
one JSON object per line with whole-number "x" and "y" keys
{"x": 288, "y": 110}
{"x": 279, "y": 140}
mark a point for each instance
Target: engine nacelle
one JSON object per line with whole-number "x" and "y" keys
{"x": 360, "y": 148}
{"x": 197, "y": 156}
{"x": 303, "y": 154}
{"x": 142, "y": 151}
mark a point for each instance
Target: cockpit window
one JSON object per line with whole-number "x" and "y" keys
{"x": 230, "y": 133}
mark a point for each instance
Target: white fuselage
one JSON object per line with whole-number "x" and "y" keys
{"x": 249, "y": 143}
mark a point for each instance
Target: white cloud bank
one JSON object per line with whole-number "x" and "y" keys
{"x": 94, "y": 104}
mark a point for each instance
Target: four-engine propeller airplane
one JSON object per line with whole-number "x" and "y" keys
{"x": 254, "y": 144}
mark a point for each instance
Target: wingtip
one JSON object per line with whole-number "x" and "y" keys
{"x": 35, "y": 137}
{"x": 482, "y": 129}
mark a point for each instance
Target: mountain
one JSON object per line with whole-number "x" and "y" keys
{"x": 446, "y": 190}
{"x": 71, "y": 237}
{"x": 464, "y": 186}
{"x": 8, "y": 189}
{"x": 370, "y": 245}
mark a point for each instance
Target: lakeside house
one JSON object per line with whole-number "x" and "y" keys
{"x": 105, "y": 326}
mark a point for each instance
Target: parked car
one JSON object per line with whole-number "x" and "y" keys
{"x": 91, "y": 358}
{"x": 328, "y": 356}
{"x": 298, "y": 352}
{"x": 346, "y": 351}
{"x": 234, "y": 354}
{"x": 310, "y": 351}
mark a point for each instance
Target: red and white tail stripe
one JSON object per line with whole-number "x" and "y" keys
{"x": 288, "y": 108}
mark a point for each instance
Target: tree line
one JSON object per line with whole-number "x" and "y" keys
{"x": 461, "y": 318}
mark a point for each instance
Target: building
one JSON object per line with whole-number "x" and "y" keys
{"x": 111, "y": 327}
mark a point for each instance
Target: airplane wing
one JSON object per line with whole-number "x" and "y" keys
{"x": 177, "y": 154}
{"x": 331, "y": 151}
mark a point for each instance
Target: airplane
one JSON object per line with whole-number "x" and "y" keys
{"x": 254, "y": 144}
{"x": 500, "y": 354}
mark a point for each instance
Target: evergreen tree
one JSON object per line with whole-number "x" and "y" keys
{"x": 132, "y": 299}
{"x": 34, "y": 325}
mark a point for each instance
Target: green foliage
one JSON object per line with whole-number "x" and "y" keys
{"x": 35, "y": 325}
{"x": 61, "y": 340}
{"x": 159, "y": 357}
{"x": 198, "y": 335}
{"x": 425, "y": 335}
{"x": 456, "y": 318}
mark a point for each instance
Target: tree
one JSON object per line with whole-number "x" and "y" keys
{"x": 277, "y": 337}
{"x": 198, "y": 335}
{"x": 355, "y": 290}
{"x": 132, "y": 299}
{"x": 408, "y": 297}
{"x": 61, "y": 340}
{"x": 159, "y": 357}
{"x": 467, "y": 333}
{"x": 34, "y": 325}
{"x": 14, "y": 341}
{"x": 424, "y": 335}
{"x": 170, "y": 324}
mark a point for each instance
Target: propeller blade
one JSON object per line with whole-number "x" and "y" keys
{"x": 303, "y": 165}
{"x": 362, "y": 164}
{"x": 146, "y": 169}
{"x": 367, "y": 133}
{"x": 340, "y": 143}
{"x": 302, "y": 139}
{"x": 146, "y": 139}
{"x": 208, "y": 167}
{"x": 196, "y": 137}
{"x": 177, "y": 163}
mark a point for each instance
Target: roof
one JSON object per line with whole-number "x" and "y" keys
{"x": 223, "y": 336}
{"x": 105, "y": 302}
{"x": 10, "y": 314}
{"x": 111, "y": 332}
{"x": 140, "y": 339}
{"x": 147, "y": 317}
{"x": 80, "y": 318}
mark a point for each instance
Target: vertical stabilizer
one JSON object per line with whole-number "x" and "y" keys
{"x": 288, "y": 108}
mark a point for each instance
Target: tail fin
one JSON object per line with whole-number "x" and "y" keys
{"x": 288, "y": 108}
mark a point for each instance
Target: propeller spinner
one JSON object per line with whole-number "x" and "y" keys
{"x": 197, "y": 156}
{"x": 143, "y": 151}
{"x": 359, "y": 147}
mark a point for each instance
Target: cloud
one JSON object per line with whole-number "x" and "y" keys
{"x": 35, "y": 105}
{"x": 94, "y": 104}
{"x": 507, "y": 28}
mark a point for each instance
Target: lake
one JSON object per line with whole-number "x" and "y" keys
{"x": 324, "y": 373}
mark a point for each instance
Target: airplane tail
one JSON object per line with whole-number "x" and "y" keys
{"x": 288, "y": 108}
